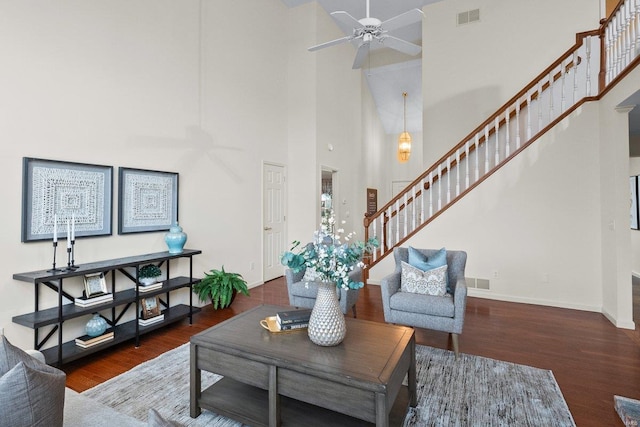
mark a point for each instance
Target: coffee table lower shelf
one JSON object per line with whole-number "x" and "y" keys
{"x": 250, "y": 405}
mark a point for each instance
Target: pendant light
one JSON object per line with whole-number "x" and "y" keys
{"x": 404, "y": 140}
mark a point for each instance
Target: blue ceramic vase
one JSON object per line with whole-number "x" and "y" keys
{"x": 175, "y": 239}
{"x": 96, "y": 326}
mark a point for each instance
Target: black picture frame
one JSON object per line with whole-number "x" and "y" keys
{"x": 147, "y": 200}
{"x": 65, "y": 191}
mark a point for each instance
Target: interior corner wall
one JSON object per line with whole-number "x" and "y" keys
{"x": 303, "y": 202}
{"x": 150, "y": 84}
{"x": 614, "y": 176}
{"x": 470, "y": 70}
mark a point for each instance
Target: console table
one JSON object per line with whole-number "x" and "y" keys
{"x": 54, "y": 317}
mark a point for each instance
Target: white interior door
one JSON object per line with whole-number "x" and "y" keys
{"x": 273, "y": 220}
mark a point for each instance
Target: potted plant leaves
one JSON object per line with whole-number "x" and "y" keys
{"x": 220, "y": 287}
{"x": 148, "y": 274}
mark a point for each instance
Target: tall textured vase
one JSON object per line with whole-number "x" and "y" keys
{"x": 326, "y": 325}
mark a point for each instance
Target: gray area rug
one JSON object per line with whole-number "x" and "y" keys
{"x": 472, "y": 391}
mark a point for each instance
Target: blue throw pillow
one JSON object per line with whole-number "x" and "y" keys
{"x": 419, "y": 260}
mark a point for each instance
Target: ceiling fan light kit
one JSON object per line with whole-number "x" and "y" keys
{"x": 368, "y": 29}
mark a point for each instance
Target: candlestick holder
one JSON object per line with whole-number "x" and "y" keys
{"x": 73, "y": 265}
{"x": 54, "y": 269}
{"x": 69, "y": 268}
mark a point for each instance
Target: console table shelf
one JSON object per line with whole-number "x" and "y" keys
{"x": 65, "y": 309}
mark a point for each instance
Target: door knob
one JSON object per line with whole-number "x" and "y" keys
{"x": 267, "y": 228}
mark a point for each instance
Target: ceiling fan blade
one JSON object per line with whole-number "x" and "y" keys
{"x": 402, "y": 20}
{"x": 331, "y": 43}
{"x": 346, "y": 19}
{"x": 401, "y": 45}
{"x": 361, "y": 54}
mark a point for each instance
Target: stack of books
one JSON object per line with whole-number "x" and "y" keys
{"x": 147, "y": 288}
{"x": 293, "y": 319}
{"x": 87, "y": 341}
{"x": 95, "y": 300}
{"x": 151, "y": 320}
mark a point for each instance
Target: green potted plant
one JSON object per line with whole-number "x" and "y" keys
{"x": 220, "y": 287}
{"x": 149, "y": 273}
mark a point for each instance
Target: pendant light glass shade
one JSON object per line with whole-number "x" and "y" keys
{"x": 404, "y": 140}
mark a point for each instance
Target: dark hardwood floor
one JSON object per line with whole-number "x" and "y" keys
{"x": 591, "y": 359}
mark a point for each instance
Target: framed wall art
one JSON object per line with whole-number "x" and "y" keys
{"x": 64, "y": 192}
{"x": 148, "y": 200}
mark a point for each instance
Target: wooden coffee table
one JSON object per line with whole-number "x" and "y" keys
{"x": 283, "y": 378}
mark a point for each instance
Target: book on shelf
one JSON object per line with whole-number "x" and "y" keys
{"x": 293, "y": 316}
{"x": 151, "y": 320}
{"x": 147, "y": 288}
{"x": 88, "y": 302}
{"x": 88, "y": 341}
{"x": 290, "y": 326}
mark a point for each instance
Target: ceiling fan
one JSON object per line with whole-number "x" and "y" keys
{"x": 368, "y": 30}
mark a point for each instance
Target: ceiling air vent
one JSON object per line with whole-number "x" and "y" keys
{"x": 469, "y": 16}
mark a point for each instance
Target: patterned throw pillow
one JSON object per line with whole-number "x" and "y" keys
{"x": 431, "y": 282}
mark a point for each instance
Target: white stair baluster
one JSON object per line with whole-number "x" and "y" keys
{"x": 486, "y": 149}
{"x": 390, "y": 227}
{"x": 518, "y": 125}
{"x": 563, "y": 101}
{"x": 373, "y": 229}
{"x": 414, "y": 211}
{"x": 430, "y": 194}
{"x": 468, "y": 162}
{"x": 439, "y": 187}
{"x": 405, "y": 215}
{"x": 528, "y": 116}
{"x": 496, "y": 127}
{"x": 539, "y": 104}
{"x": 448, "y": 179}
{"x": 588, "y": 88}
{"x": 477, "y": 156}
{"x": 551, "y": 113}
{"x": 397, "y": 220}
{"x": 422, "y": 190}
{"x": 457, "y": 172}
{"x": 507, "y": 148}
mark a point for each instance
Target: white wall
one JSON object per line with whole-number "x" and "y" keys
{"x": 172, "y": 86}
{"x": 471, "y": 70}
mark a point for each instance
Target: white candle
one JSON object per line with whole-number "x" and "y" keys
{"x": 68, "y": 235}
{"x": 73, "y": 227}
{"x": 55, "y": 228}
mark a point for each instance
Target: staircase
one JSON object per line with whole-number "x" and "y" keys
{"x": 585, "y": 72}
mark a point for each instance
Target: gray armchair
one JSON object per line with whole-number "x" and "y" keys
{"x": 425, "y": 311}
{"x": 303, "y": 293}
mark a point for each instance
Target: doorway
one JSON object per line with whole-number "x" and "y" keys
{"x": 273, "y": 222}
{"x": 328, "y": 193}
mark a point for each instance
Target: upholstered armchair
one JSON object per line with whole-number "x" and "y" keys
{"x": 440, "y": 313}
{"x": 303, "y": 293}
